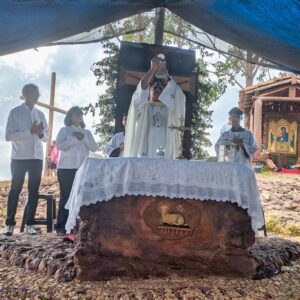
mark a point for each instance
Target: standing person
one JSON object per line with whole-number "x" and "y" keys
{"x": 153, "y": 110}
{"x": 74, "y": 143}
{"x": 48, "y": 160}
{"x": 115, "y": 147}
{"x": 26, "y": 129}
{"x": 246, "y": 146}
{"x": 53, "y": 159}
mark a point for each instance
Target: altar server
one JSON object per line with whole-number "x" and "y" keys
{"x": 154, "y": 108}
{"x": 74, "y": 143}
{"x": 246, "y": 146}
{"x": 115, "y": 147}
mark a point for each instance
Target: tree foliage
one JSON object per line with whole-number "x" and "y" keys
{"x": 250, "y": 67}
{"x": 105, "y": 71}
{"x": 209, "y": 91}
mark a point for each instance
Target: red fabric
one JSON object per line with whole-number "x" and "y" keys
{"x": 54, "y": 155}
{"x": 290, "y": 171}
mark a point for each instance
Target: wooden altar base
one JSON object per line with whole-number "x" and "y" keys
{"x": 139, "y": 236}
{"x": 50, "y": 254}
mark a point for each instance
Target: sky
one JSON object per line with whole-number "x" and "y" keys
{"x": 75, "y": 85}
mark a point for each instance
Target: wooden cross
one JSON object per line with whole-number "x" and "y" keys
{"x": 51, "y": 108}
{"x": 181, "y": 130}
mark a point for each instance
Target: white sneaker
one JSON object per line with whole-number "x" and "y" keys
{"x": 9, "y": 230}
{"x": 31, "y": 230}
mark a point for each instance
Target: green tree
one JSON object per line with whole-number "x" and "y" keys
{"x": 209, "y": 91}
{"x": 252, "y": 68}
{"x": 246, "y": 64}
{"x": 105, "y": 71}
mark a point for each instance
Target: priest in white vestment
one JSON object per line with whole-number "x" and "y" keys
{"x": 152, "y": 111}
{"x": 246, "y": 145}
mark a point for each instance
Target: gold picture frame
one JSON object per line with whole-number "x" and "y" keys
{"x": 282, "y": 136}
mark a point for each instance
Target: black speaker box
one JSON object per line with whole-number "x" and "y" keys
{"x": 134, "y": 56}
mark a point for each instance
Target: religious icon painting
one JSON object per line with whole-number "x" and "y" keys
{"x": 282, "y": 136}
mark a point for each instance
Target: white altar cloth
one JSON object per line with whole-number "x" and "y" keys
{"x": 102, "y": 179}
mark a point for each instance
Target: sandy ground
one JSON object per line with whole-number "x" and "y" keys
{"x": 280, "y": 195}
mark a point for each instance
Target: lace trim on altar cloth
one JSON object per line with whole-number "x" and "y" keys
{"x": 102, "y": 179}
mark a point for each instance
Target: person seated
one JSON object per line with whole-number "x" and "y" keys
{"x": 296, "y": 166}
{"x": 115, "y": 147}
{"x": 153, "y": 110}
{"x": 244, "y": 140}
{"x": 268, "y": 161}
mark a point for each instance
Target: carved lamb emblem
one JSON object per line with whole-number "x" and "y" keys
{"x": 172, "y": 219}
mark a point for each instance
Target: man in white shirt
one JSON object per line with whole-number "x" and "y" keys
{"x": 244, "y": 140}
{"x": 26, "y": 129}
{"x": 115, "y": 147}
{"x": 153, "y": 111}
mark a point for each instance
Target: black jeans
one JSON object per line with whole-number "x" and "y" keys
{"x": 19, "y": 168}
{"x": 65, "y": 179}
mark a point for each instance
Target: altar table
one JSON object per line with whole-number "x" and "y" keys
{"x": 102, "y": 179}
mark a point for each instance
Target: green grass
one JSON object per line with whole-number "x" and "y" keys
{"x": 293, "y": 229}
{"x": 274, "y": 224}
{"x": 267, "y": 173}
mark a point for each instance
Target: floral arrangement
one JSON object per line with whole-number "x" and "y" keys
{"x": 260, "y": 157}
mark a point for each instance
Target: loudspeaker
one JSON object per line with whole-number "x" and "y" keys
{"x": 134, "y": 56}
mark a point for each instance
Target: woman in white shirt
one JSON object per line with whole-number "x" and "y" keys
{"x": 74, "y": 143}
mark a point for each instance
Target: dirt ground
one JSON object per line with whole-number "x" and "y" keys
{"x": 280, "y": 195}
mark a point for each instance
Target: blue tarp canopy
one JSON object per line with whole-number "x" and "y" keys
{"x": 269, "y": 28}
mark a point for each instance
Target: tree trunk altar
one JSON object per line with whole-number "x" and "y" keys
{"x": 174, "y": 230}
{"x": 134, "y": 236}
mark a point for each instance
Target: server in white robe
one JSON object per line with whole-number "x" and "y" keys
{"x": 152, "y": 111}
{"x": 74, "y": 143}
{"x": 246, "y": 145}
{"x": 115, "y": 146}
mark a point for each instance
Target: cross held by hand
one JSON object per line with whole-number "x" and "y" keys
{"x": 181, "y": 128}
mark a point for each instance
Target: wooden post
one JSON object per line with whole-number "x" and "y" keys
{"x": 292, "y": 88}
{"x": 251, "y": 120}
{"x": 50, "y": 123}
{"x": 258, "y": 121}
{"x": 159, "y": 25}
